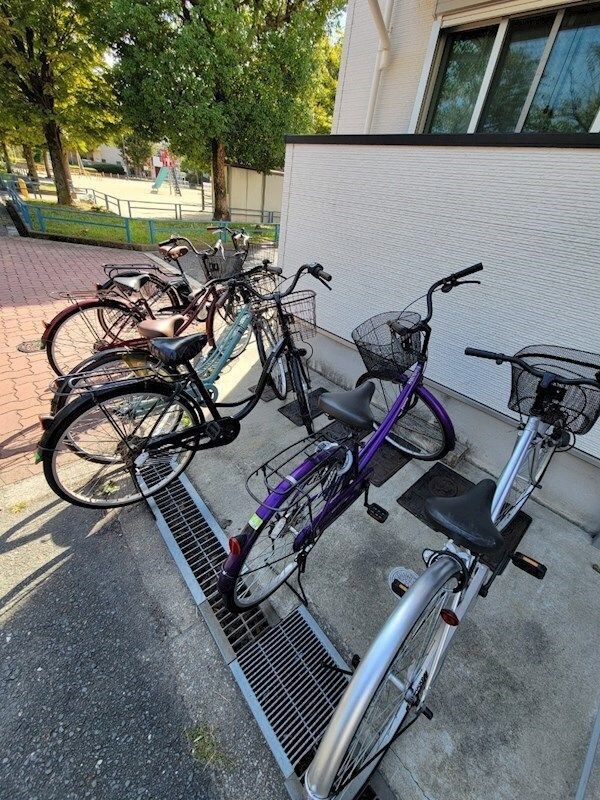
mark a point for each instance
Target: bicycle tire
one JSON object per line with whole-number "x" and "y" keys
{"x": 61, "y": 433}
{"x": 430, "y": 427}
{"x": 339, "y": 771}
{"x": 96, "y": 309}
{"x": 110, "y": 365}
{"x": 277, "y": 377}
{"x": 300, "y": 388}
{"x": 238, "y": 594}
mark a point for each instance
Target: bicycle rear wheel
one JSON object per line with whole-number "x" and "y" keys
{"x": 387, "y": 690}
{"x": 88, "y": 328}
{"x": 263, "y": 556}
{"x": 95, "y": 453}
{"x": 110, "y": 366}
{"x": 420, "y": 432}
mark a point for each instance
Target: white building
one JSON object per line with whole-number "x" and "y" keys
{"x": 464, "y": 131}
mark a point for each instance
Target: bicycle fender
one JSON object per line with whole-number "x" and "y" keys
{"x": 91, "y": 303}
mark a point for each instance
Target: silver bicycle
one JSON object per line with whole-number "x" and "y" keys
{"x": 558, "y": 391}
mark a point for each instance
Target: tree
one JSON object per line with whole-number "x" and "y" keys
{"x": 218, "y": 78}
{"x": 328, "y": 56}
{"x": 136, "y": 151}
{"x": 50, "y": 66}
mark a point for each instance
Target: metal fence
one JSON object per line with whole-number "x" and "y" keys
{"x": 70, "y": 222}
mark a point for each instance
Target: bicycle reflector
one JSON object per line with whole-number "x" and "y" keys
{"x": 234, "y": 546}
{"x": 449, "y": 617}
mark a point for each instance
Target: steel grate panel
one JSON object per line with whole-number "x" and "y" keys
{"x": 294, "y": 679}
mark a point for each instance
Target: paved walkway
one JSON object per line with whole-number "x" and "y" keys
{"x": 30, "y": 270}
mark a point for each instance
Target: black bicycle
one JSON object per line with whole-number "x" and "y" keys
{"x": 122, "y": 442}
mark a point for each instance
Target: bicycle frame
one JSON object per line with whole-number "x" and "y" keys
{"x": 336, "y": 505}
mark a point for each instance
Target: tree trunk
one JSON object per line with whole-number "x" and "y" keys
{"x": 221, "y": 208}
{"x": 28, "y": 156}
{"x": 60, "y": 165}
{"x": 47, "y": 164}
{"x": 6, "y": 157}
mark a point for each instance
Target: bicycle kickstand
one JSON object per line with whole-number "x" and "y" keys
{"x": 300, "y": 593}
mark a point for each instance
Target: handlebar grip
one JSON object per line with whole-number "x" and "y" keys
{"x": 272, "y": 268}
{"x": 474, "y": 351}
{"x": 468, "y": 271}
{"x": 215, "y": 228}
{"x": 167, "y": 241}
{"x": 324, "y": 275}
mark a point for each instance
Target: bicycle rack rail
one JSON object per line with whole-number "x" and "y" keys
{"x": 286, "y": 669}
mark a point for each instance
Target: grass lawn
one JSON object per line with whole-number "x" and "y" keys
{"x": 108, "y": 227}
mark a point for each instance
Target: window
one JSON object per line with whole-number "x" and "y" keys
{"x": 464, "y": 61}
{"x": 536, "y": 74}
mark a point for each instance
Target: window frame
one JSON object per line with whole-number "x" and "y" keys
{"x": 434, "y": 58}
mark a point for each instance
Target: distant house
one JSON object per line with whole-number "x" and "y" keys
{"x": 464, "y": 131}
{"x": 106, "y": 154}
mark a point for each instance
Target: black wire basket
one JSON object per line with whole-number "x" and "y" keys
{"x": 385, "y": 350}
{"x": 579, "y": 408}
{"x": 299, "y": 309}
{"x": 261, "y": 251}
{"x": 330, "y": 462}
{"x": 223, "y": 266}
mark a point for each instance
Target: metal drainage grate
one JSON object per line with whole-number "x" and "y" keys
{"x": 290, "y": 674}
{"x": 285, "y": 669}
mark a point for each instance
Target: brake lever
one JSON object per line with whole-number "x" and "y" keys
{"x": 447, "y": 287}
{"x": 324, "y": 282}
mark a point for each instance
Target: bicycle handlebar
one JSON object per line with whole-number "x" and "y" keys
{"x": 316, "y": 270}
{"x": 447, "y": 284}
{"x": 500, "y": 358}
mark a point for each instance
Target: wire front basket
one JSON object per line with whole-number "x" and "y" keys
{"x": 224, "y": 266}
{"x": 579, "y": 408}
{"x": 259, "y": 251}
{"x": 313, "y": 484}
{"x": 299, "y": 309}
{"x": 385, "y": 350}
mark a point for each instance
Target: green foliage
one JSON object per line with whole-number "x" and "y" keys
{"x": 239, "y": 72}
{"x": 328, "y": 56}
{"x": 112, "y": 169}
{"x": 137, "y": 150}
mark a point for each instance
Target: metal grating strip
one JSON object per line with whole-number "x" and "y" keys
{"x": 286, "y": 671}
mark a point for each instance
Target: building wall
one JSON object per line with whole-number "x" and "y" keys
{"x": 387, "y": 221}
{"x": 253, "y": 191}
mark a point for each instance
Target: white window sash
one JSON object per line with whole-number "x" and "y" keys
{"x": 426, "y": 75}
{"x": 540, "y": 70}
{"x": 488, "y": 75}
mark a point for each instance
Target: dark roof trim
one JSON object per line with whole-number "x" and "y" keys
{"x": 457, "y": 139}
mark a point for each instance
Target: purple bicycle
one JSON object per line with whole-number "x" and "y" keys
{"x": 311, "y": 483}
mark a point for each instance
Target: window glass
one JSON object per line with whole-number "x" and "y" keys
{"x": 523, "y": 48}
{"x": 568, "y": 96}
{"x": 466, "y": 54}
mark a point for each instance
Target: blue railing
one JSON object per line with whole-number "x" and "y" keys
{"x": 43, "y": 218}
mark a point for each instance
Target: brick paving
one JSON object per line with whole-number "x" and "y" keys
{"x": 31, "y": 269}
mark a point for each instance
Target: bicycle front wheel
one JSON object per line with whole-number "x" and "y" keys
{"x": 95, "y": 455}
{"x": 387, "y": 690}
{"x": 420, "y": 432}
{"x": 266, "y": 340}
{"x": 300, "y": 384}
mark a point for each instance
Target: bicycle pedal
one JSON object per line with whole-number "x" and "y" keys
{"x": 401, "y": 579}
{"x": 529, "y": 565}
{"x": 378, "y": 513}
